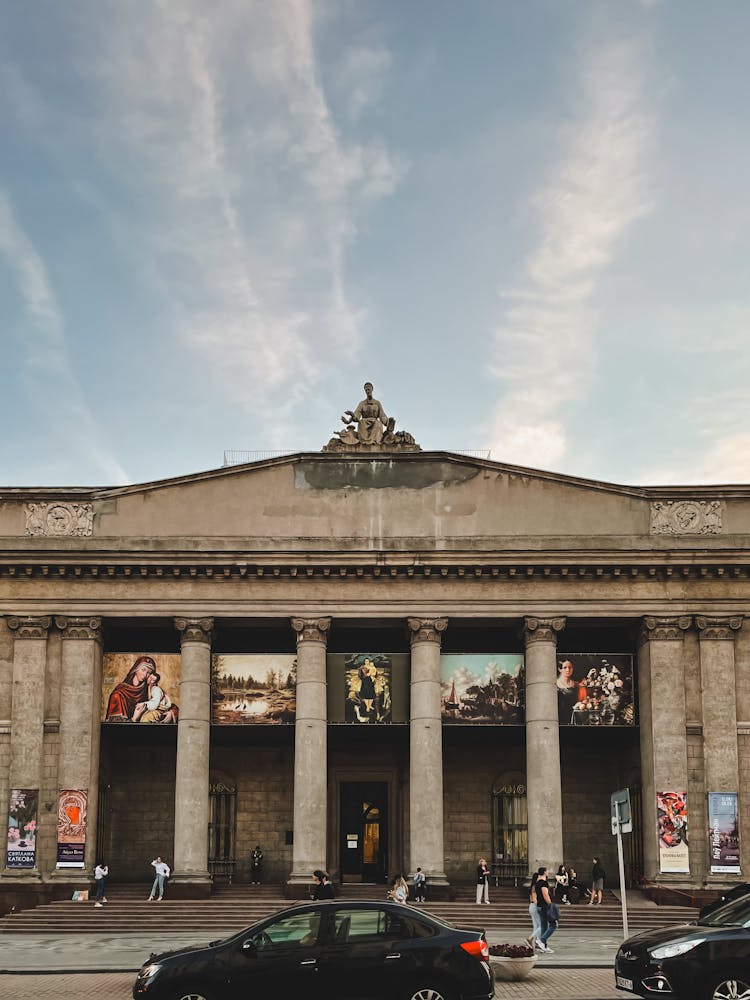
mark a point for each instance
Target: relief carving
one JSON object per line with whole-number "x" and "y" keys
{"x": 542, "y": 629}
{"x": 717, "y": 627}
{"x": 670, "y": 629}
{"x": 79, "y": 628}
{"x": 59, "y": 520}
{"x": 311, "y": 629}
{"x": 195, "y": 629}
{"x": 426, "y": 629}
{"x": 30, "y": 627}
{"x": 686, "y": 517}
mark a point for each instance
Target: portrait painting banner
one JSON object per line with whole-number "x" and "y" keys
{"x": 671, "y": 809}
{"x": 141, "y": 688}
{"x": 22, "y": 821}
{"x": 724, "y": 832}
{"x": 477, "y": 688}
{"x": 71, "y": 828}
{"x": 367, "y": 677}
{"x": 595, "y": 689}
{"x": 253, "y": 688}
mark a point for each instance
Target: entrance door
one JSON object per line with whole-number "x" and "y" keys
{"x": 364, "y": 831}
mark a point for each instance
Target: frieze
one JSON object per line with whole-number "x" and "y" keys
{"x": 79, "y": 628}
{"x": 542, "y": 629}
{"x": 717, "y": 627}
{"x": 311, "y": 629}
{"x": 669, "y": 629}
{"x": 59, "y": 520}
{"x": 30, "y": 627}
{"x": 686, "y": 517}
{"x": 426, "y": 629}
{"x": 195, "y": 629}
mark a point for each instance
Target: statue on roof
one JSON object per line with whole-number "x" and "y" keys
{"x": 369, "y": 429}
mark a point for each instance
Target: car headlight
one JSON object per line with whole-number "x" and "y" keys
{"x": 678, "y": 948}
{"x": 149, "y": 971}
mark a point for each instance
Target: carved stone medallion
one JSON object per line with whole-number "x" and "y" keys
{"x": 686, "y": 517}
{"x": 59, "y": 520}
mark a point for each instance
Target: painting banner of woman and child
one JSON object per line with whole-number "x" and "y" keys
{"x": 140, "y": 687}
{"x": 723, "y": 832}
{"x": 367, "y": 677}
{"x": 484, "y": 689}
{"x": 71, "y": 828}
{"x": 672, "y": 814}
{"x": 249, "y": 688}
{"x": 595, "y": 689}
{"x": 22, "y": 820}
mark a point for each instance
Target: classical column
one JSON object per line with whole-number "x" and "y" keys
{"x": 310, "y": 750}
{"x": 719, "y": 704}
{"x": 426, "y": 750}
{"x": 661, "y": 688}
{"x": 193, "y": 748}
{"x": 27, "y": 713}
{"x": 80, "y": 718}
{"x": 543, "y": 789}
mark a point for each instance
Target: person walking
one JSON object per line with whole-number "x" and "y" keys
{"x": 256, "y": 865}
{"x": 322, "y": 886}
{"x": 483, "y": 882}
{"x": 544, "y": 904}
{"x": 100, "y": 873}
{"x": 162, "y": 873}
{"x": 597, "y": 883}
{"x": 536, "y": 920}
{"x": 420, "y": 881}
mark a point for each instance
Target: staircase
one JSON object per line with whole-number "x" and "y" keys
{"x": 231, "y": 908}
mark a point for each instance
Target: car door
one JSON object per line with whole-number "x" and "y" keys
{"x": 280, "y": 959}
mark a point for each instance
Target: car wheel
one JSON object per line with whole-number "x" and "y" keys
{"x": 430, "y": 993}
{"x": 729, "y": 987}
{"x": 190, "y": 993}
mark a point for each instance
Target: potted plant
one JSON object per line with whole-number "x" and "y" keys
{"x": 512, "y": 962}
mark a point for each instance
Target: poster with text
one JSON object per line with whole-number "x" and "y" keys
{"x": 672, "y": 817}
{"x": 367, "y": 677}
{"x": 255, "y": 688}
{"x": 22, "y": 820}
{"x": 141, "y": 688}
{"x": 595, "y": 689}
{"x": 485, "y": 689}
{"x": 71, "y": 828}
{"x": 724, "y": 832}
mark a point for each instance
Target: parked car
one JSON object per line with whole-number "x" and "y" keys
{"x": 742, "y": 889}
{"x": 705, "y": 960}
{"x": 337, "y": 950}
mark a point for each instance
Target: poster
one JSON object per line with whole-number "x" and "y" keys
{"x": 71, "y": 828}
{"x": 141, "y": 688}
{"x": 255, "y": 688}
{"x": 723, "y": 832}
{"x": 367, "y": 678}
{"x": 22, "y": 820}
{"x": 482, "y": 688}
{"x": 595, "y": 689}
{"x": 672, "y": 816}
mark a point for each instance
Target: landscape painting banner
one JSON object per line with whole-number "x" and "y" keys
{"x": 595, "y": 689}
{"x": 724, "y": 832}
{"x": 253, "y": 688}
{"x": 367, "y": 677}
{"x": 671, "y": 808}
{"x": 141, "y": 688}
{"x": 480, "y": 688}
{"x": 71, "y": 828}
{"x": 22, "y": 820}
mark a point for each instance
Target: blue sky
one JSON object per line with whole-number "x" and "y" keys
{"x": 526, "y": 222}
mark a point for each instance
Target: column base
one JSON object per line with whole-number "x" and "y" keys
{"x": 188, "y": 885}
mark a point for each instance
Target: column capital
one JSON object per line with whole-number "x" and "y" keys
{"x": 79, "y": 628}
{"x": 30, "y": 627}
{"x": 426, "y": 629}
{"x": 542, "y": 629}
{"x": 669, "y": 628}
{"x": 311, "y": 629}
{"x": 717, "y": 626}
{"x": 195, "y": 629}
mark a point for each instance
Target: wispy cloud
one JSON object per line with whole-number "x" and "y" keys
{"x": 544, "y": 352}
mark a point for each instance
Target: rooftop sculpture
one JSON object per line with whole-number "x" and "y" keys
{"x": 368, "y": 429}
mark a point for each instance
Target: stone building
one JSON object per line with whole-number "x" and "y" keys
{"x": 418, "y": 611}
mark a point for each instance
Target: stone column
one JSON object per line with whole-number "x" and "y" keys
{"x": 310, "y": 750}
{"x": 80, "y": 722}
{"x": 193, "y": 748}
{"x": 426, "y": 750}
{"x": 719, "y": 706}
{"x": 27, "y": 715}
{"x": 661, "y": 688}
{"x": 543, "y": 788}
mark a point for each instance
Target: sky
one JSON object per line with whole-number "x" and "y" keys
{"x": 525, "y": 221}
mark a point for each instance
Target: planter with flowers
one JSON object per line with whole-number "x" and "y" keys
{"x": 512, "y": 962}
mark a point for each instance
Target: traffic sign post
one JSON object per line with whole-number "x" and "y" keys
{"x": 622, "y": 822}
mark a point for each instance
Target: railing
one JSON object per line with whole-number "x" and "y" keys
{"x": 222, "y": 869}
{"x": 242, "y": 457}
{"x": 507, "y": 872}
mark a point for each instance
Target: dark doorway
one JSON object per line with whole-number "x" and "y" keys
{"x": 364, "y": 831}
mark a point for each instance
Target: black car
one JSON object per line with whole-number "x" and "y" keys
{"x": 705, "y": 960}
{"x": 742, "y": 889}
{"x": 335, "y": 950}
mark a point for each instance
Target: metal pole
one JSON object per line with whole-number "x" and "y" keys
{"x": 621, "y": 863}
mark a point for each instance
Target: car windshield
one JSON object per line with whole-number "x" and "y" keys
{"x": 734, "y": 914}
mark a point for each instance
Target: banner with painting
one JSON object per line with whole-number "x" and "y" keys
{"x": 141, "y": 688}
{"x": 22, "y": 821}
{"x": 595, "y": 689}
{"x": 724, "y": 832}
{"x": 253, "y": 688}
{"x": 71, "y": 828}
{"x": 367, "y": 679}
{"x": 672, "y": 817}
{"x": 485, "y": 689}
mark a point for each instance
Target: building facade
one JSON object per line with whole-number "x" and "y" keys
{"x": 369, "y": 662}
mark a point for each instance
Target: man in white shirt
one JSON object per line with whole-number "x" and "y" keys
{"x": 162, "y": 872}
